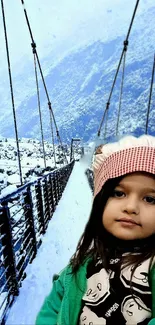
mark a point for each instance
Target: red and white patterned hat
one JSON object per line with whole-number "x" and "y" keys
{"x": 128, "y": 155}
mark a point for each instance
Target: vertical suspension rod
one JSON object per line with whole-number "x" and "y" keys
{"x": 121, "y": 93}
{"x": 12, "y": 95}
{"x": 122, "y": 54}
{"x": 38, "y": 96}
{"x": 150, "y": 96}
{"x": 51, "y": 123}
{"x": 49, "y": 103}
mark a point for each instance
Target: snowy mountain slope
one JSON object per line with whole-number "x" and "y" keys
{"x": 80, "y": 83}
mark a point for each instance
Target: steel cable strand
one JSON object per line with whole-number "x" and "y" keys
{"x": 150, "y": 97}
{"x": 38, "y": 98}
{"x": 12, "y": 95}
{"x": 42, "y": 76}
{"x": 121, "y": 93}
{"x": 52, "y": 131}
{"x": 119, "y": 64}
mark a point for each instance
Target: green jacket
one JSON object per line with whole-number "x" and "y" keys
{"x": 63, "y": 305}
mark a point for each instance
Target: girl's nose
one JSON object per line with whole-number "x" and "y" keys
{"x": 131, "y": 206}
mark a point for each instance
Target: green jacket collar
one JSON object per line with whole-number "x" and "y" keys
{"x": 75, "y": 287}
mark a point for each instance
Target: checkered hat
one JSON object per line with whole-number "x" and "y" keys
{"x": 128, "y": 155}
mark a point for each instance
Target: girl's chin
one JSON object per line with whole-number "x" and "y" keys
{"x": 126, "y": 235}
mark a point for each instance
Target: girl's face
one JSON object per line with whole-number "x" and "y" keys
{"x": 129, "y": 213}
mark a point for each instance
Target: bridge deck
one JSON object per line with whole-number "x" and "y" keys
{"x": 58, "y": 245}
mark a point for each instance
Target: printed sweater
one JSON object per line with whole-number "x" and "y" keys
{"x": 108, "y": 296}
{"x": 64, "y": 303}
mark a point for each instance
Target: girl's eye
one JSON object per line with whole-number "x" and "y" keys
{"x": 149, "y": 199}
{"x": 118, "y": 193}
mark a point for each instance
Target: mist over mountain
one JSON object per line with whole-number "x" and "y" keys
{"x": 79, "y": 86}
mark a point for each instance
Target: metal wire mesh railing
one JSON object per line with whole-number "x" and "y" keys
{"x": 24, "y": 217}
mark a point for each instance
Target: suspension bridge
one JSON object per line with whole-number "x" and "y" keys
{"x": 36, "y": 227}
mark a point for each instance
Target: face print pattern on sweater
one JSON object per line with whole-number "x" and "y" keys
{"x": 108, "y": 299}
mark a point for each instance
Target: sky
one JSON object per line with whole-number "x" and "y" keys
{"x": 61, "y": 26}
{"x": 55, "y": 251}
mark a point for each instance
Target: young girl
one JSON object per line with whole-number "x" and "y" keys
{"x": 111, "y": 277}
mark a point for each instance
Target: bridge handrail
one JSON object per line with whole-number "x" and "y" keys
{"x": 24, "y": 217}
{"x": 21, "y": 188}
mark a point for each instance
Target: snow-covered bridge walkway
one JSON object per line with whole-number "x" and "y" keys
{"x": 58, "y": 245}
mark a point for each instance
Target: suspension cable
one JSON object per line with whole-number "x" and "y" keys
{"x": 57, "y": 132}
{"x": 43, "y": 80}
{"x": 38, "y": 97}
{"x": 12, "y": 94}
{"x": 51, "y": 124}
{"x": 103, "y": 117}
{"x": 150, "y": 96}
{"x": 59, "y": 153}
{"x": 121, "y": 92}
{"x": 106, "y": 120}
{"x": 119, "y": 64}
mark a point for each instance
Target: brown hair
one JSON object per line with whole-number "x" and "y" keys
{"x": 97, "y": 242}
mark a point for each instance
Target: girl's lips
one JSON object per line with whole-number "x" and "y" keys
{"x": 128, "y": 221}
